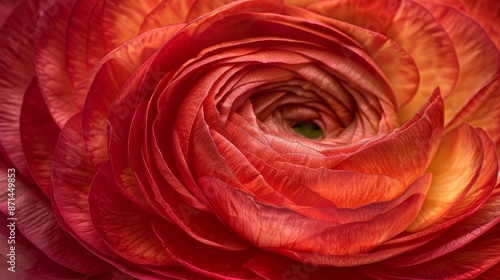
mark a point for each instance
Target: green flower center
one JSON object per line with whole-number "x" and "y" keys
{"x": 309, "y": 130}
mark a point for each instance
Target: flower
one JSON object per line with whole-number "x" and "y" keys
{"x": 292, "y": 139}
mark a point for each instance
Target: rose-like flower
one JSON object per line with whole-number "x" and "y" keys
{"x": 184, "y": 139}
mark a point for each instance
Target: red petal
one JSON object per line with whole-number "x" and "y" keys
{"x": 16, "y": 68}
{"x": 163, "y": 15}
{"x": 454, "y": 238}
{"x": 124, "y": 227}
{"x": 50, "y": 63}
{"x": 290, "y": 233}
{"x": 273, "y": 266}
{"x": 80, "y": 29}
{"x": 110, "y": 74}
{"x": 30, "y": 259}
{"x": 466, "y": 263}
{"x": 36, "y": 221}
{"x": 416, "y": 140}
{"x": 202, "y": 258}
{"x": 39, "y": 134}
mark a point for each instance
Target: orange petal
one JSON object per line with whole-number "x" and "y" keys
{"x": 121, "y": 20}
{"x": 403, "y": 22}
{"x": 483, "y": 110}
{"x": 434, "y": 54}
{"x": 478, "y": 58}
{"x": 163, "y": 14}
{"x": 405, "y": 153}
{"x": 487, "y": 13}
{"x": 468, "y": 262}
{"x": 456, "y": 168}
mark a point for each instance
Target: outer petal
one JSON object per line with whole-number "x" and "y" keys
{"x": 6, "y": 9}
{"x": 36, "y": 222}
{"x": 273, "y": 266}
{"x": 404, "y": 22}
{"x": 214, "y": 262}
{"x": 125, "y": 16}
{"x": 73, "y": 174}
{"x": 107, "y": 78}
{"x": 290, "y": 233}
{"x": 456, "y": 167}
{"x": 483, "y": 110}
{"x": 468, "y": 262}
{"x": 39, "y": 134}
{"x": 50, "y": 63}
{"x": 16, "y": 66}
{"x": 82, "y": 47}
{"x": 478, "y": 58}
{"x": 30, "y": 259}
{"x": 487, "y": 13}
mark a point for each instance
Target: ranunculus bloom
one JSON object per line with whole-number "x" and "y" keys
{"x": 193, "y": 139}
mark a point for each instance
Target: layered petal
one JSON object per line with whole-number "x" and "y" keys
{"x": 16, "y": 55}
{"x": 39, "y": 135}
{"x": 50, "y": 62}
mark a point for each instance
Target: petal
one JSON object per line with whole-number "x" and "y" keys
{"x": 39, "y": 134}
{"x": 110, "y": 74}
{"x": 477, "y": 56}
{"x": 434, "y": 54}
{"x": 73, "y": 175}
{"x": 274, "y": 266}
{"x": 30, "y": 259}
{"x": 406, "y": 152}
{"x": 80, "y": 29}
{"x": 213, "y": 262}
{"x": 467, "y": 263}
{"x": 36, "y": 222}
{"x": 50, "y": 62}
{"x": 404, "y": 22}
{"x": 124, "y": 226}
{"x": 455, "y": 237}
{"x": 487, "y": 13}
{"x": 290, "y": 233}
{"x": 162, "y": 14}
{"x": 483, "y": 110}
{"x": 125, "y": 16}
{"x": 455, "y": 168}
{"x": 6, "y": 9}
{"x": 16, "y": 66}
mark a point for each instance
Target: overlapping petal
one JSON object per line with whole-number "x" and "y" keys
{"x": 162, "y": 144}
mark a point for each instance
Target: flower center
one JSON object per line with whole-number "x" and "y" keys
{"x": 309, "y": 130}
